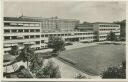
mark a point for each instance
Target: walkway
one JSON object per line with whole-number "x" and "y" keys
{"x": 68, "y": 71}
{"x": 79, "y": 45}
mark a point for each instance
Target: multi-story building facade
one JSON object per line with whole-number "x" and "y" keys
{"x": 38, "y": 30}
{"x": 87, "y": 36}
{"x": 103, "y": 29}
{"x": 54, "y": 24}
{"x": 85, "y": 27}
{"x": 16, "y": 32}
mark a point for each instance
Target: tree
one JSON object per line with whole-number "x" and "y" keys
{"x": 21, "y": 72}
{"x": 118, "y": 72}
{"x": 14, "y": 50}
{"x": 25, "y": 55}
{"x": 57, "y": 44}
{"x": 111, "y": 36}
{"x": 36, "y": 63}
{"x": 50, "y": 70}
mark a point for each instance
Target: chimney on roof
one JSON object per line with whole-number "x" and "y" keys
{"x": 21, "y": 15}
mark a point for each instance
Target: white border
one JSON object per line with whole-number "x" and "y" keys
{"x": 33, "y": 79}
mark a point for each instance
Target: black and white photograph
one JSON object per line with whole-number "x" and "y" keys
{"x": 64, "y": 39}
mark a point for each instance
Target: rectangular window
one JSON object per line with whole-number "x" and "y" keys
{"x": 32, "y": 36}
{"x": 46, "y": 35}
{"x": 20, "y": 30}
{"x": 14, "y": 31}
{"x": 31, "y": 30}
{"x": 37, "y": 30}
{"x": 42, "y": 35}
{"x": 6, "y": 31}
{"x": 26, "y": 37}
{"x": 6, "y": 24}
{"x": 37, "y": 42}
{"x": 6, "y": 37}
{"x": 26, "y": 30}
{"x": 14, "y": 37}
{"x": 37, "y": 36}
{"x": 42, "y": 41}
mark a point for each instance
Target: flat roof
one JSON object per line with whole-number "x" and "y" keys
{"x": 104, "y": 23}
{"x": 35, "y": 19}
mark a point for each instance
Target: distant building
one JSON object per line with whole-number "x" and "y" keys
{"x": 54, "y": 24}
{"x": 102, "y": 29}
{"x": 85, "y": 26}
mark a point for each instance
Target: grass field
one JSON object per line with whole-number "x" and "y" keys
{"x": 96, "y": 58}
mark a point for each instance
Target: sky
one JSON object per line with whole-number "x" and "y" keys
{"x": 90, "y": 11}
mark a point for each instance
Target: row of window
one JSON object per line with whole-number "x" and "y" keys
{"x": 107, "y": 32}
{"x": 103, "y": 36}
{"x": 24, "y": 37}
{"x": 83, "y": 33}
{"x": 22, "y": 24}
{"x": 106, "y": 29}
{"x": 86, "y": 38}
{"x": 109, "y": 25}
{"x": 20, "y": 30}
{"x": 48, "y": 35}
{"x": 38, "y": 42}
{"x": 53, "y": 24}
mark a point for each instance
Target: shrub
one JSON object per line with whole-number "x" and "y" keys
{"x": 118, "y": 72}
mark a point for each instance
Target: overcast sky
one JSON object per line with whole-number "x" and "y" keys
{"x": 82, "y": 10}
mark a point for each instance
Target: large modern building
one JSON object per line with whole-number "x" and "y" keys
{"x": 19, "y": 30}
{"x": 102, "y": 29}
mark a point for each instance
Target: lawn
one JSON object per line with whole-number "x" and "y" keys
{"x": 96, "y": 58}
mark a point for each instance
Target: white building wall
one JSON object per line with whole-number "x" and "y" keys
{"x": 104, "y": 29}
{"x": 21, "y": 34}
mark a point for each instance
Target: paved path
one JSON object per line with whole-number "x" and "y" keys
{"x": 68, "y": 71}
{"x": 79, "y": 45}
